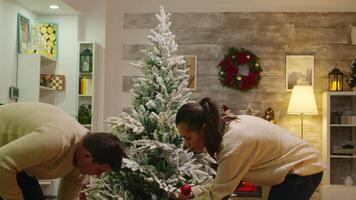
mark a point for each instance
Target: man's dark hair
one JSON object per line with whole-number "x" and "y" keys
{"x": 105, "y": 148}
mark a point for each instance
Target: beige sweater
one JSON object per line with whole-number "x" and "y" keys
{"x": 39, "y": 139}
{"x": 259, "y": 152}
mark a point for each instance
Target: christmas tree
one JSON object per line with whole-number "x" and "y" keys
{"x": 157, "y": 163}
{"x": 352, "y": 81}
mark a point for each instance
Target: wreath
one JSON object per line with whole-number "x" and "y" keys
{"x": 240, "y": 69}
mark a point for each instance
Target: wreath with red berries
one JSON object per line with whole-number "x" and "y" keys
{"x": 240, "y": 69}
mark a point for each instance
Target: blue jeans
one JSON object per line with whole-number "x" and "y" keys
{"x": 295, "y": 187}
{"x": 31, "y": 189}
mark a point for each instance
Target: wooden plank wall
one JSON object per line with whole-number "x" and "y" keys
{"x": 271, "y": 36}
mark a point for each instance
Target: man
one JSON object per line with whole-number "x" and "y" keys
{"x": 41, "y": 141}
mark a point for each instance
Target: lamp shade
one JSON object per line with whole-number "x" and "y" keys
{"x": 302, "y": 101}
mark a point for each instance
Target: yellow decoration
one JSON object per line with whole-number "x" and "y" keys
{"x": 44, "y": 39}
{"x": 46, "y": 36}
{"x": 50, "y": 30}
{"x": 52, "y": 37}
{"x": 50, "y": 44}
{"x": 43, "y": 30}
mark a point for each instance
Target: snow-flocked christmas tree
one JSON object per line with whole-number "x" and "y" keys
{"x": 352, "y": 80}
{"x": 156, "y": 164}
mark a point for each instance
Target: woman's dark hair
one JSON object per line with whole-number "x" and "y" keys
{"x": 195, "y": 115}
{"x": 105, "y": 148}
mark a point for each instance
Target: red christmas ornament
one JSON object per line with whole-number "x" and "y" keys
{"x": 246, "y": 187}
{"x": 186, "y": 189}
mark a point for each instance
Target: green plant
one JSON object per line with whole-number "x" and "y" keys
{"x": 352, "y": 80}
{"x": 84, "y": 114}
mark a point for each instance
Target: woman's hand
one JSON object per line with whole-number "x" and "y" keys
{"x": 180, "y": 196}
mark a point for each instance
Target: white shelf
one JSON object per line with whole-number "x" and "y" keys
{"x": 30, "y": 68}
{"x": 342, "y": 125}
{"x": 340, "y": 162}
{"x": 46, "y": 59}
{"x": 86, "y": 73}
{"x": 345, "y": 93}
{"x": 45, "y": 182}
{"x": 47, "y": 88}
{"x": 89, "y": 93}
{"x": 345, "y": 156}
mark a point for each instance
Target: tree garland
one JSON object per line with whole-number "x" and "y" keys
{"x": 240, "y": 69}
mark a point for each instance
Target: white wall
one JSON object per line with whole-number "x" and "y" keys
{"x": 67, "y": 63}
{"x": 8, "y": 53}
{"x": 238, "y": 5}
{"x": 67, "y": 51}
{"x": 2, "y": 40}
{"x": 92, "y": 28}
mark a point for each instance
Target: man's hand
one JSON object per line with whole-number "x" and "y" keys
{"x": 180, "y": 196}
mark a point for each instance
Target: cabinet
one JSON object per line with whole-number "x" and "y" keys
{"x": 87, "y": 85}
{"x": 30, "y": 68}
{"x": 31, "y": 88}
{"x": 339, "y": 136}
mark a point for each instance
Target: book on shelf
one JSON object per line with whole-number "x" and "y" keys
{"x": 85, "y": 86}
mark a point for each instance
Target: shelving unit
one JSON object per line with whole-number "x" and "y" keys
{"x": 87, "y": 84}
{"x": 30, "y": 68}
{"x": 339, "y": 136}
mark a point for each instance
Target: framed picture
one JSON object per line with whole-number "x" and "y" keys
{"x": 299, "y": 70}
{"x": 23, "y": 33}
{"x": 44, "y": 39}
{"x": 191, "y": 61}
{"x": 58, "y": 82}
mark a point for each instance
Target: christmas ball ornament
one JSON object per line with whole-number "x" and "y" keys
{"x": 240, "y": 69}
{"x": 186, "y": 189}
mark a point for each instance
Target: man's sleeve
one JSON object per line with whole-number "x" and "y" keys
{"x": 70, "y": 187}
{"x": 30, "y": 150}
{"x": 230, "y": 172}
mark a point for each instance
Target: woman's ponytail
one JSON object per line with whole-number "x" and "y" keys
{"x": 213, "y": 126}
{"x": 203, "y": 116}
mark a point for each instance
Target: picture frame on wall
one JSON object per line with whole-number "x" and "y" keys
{"x": 299, "y": 70}
{"x": 23, "y": 33}
{"x": 191, "y": 61}
{"x": 44, "y": 39}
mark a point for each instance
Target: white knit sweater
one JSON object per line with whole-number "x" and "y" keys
{"x": 261, "y": 153}
{"x": 41, "y": 140}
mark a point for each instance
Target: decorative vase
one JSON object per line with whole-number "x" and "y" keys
{"x": 348, "y": 181}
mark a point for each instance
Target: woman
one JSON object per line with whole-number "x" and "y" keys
{"x": 251, "y": 149}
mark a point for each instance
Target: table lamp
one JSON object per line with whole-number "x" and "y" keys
{"x": 302, "y": 102}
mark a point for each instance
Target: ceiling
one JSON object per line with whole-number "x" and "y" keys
{"x": 41, "y": 7}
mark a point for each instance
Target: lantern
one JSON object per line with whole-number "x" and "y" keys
{"x": 336, "y": 79}
{"x": 86, "y": 61}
